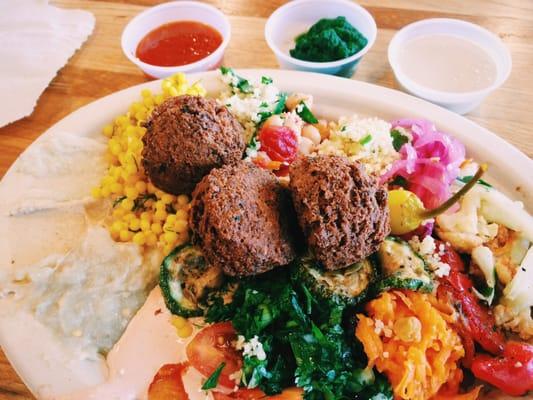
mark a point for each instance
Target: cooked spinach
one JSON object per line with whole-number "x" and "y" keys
{"x": 302, "y": 336}
{"x": 328, "y": 40}
{"x": 398, "y": 140}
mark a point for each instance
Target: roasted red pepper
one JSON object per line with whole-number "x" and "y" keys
{"x": 511, "y": 373}
{"x": 478, "y": 321}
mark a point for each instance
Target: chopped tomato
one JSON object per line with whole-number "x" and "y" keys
{"x": 477, "y": 320}
{"x": 213, "y": 346}
{"x": 289, "y": 394}
{"x": 256, "y": 394}
{"x": 279, "y": 142}
{"x": 472, "y": 395}
{"x": 242, "y": 394}
{"x": 512, "y": 373}
{"x": 168, "y": 383}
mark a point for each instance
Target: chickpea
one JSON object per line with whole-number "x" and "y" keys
{"x": 305, "y": 146}
{"x": 323, "y": 128}
{"x": 294, "y": 99}
{"x": 311, "y": 133}
{"x": 274, "y": 120}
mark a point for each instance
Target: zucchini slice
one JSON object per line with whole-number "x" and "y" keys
{"x": 185, "y": 279}
{"x": 348, "y": 286}
{"x": 402, "y": 267}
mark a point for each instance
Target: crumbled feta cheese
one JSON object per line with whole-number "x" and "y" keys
{"x": 345, "y": 139}
{"x": 252, "y": 348}
{"x": 385, "y": 354}
{"x": 518, "y": 364}
{"x": 427, "y": 249}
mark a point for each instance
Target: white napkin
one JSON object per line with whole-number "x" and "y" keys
{"x": 36, "y": 41}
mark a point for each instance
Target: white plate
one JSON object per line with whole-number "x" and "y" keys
{"x": 510, "y": 169}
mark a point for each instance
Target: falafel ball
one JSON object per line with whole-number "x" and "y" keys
{"x": 187, "y": 136}
{"x": 239, "y": 218}
{"x": 342, "y": 211}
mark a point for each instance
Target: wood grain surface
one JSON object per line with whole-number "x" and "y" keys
{"x": 99, "y": 68}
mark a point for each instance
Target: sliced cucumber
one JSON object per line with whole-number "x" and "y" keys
{"x": 186, "y": 279}
{"x": 348, "y": 286}
{"x": 402, "y": 267}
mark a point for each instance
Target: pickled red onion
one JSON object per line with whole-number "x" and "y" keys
{"x": 429, "y": 163}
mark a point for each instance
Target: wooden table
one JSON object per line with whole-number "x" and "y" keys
{"x": 100, "y": 68}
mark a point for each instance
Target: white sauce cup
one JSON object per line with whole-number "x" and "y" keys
{"x": 154, "y": 17}
{"x": 464, "y": 102}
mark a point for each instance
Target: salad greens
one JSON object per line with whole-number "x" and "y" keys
{"x": 240, "y": 83}
{"x": 328, "y": 40}
{"x": 304, "y": 340}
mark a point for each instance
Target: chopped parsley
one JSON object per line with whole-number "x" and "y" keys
{"x": 240, "y": 83}
{"x": 305, "y": 113}
{"x": 212, "y": 381}
{"x": 367, "y": 139}
{"x": 266, "y": 80}
{"x": 304, "y": 339}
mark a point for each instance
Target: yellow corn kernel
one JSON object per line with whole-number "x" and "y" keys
{"x": 131, "y": 192}
{"x": 118, "y": 213}
{"x": 170, "y": 237}
{"x": 117, "y": 226}
{"x": 108, "y": 130}
{"x": 182, "y": 214}
{"x": 185, "y": 331}
{"x": 117, "y": 188}
{"x": 167, "y": 198}
{"x": 145, "y": 215}
{"x": 160, "y": 215}
{"x": 114, "y": 147}
{"x": 181, "y": 225}
{"x": 171, "y": 219}
{"x": 125, "y": 235}
{"x": 126, "y": 204}
{"x": 146, "y": 93}
{"x": 167, "y": 248}
{"x": 160, "y": 206}
{"x": 151, "y": 239}
{"x": 96, "y": 192}
{"x": 139, "y": 238}
{"x": 178, "y": 322}
{"x": 156, "y": 228}
{"x": 144, "y": 224}
{"x": 183, "y": 199}
{"x": 135, "y": 224}
{"x": 128, "y": 216}
{"x": 105, "y": 191}
{"x": 140, "y": 186}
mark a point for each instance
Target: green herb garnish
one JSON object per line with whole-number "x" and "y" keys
{"x": 212, "y": 381}
{"x": 305, "y": 113}
{"x": 266, "y": 80}
{"x": 242, "y": 84}
{"x": 118, "y": 200}
{"x": 398, "y": 140}
{"x": 328, "y": 40}
{"x": 367, "y": 139}
{"x": 140, "y": 201}
{"x": 468, "y": 178}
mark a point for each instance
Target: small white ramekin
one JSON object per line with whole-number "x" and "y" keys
{"x": 298, "y": 16}
{"x": 154, "y": 17}
{"x": 461, "y": 103}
